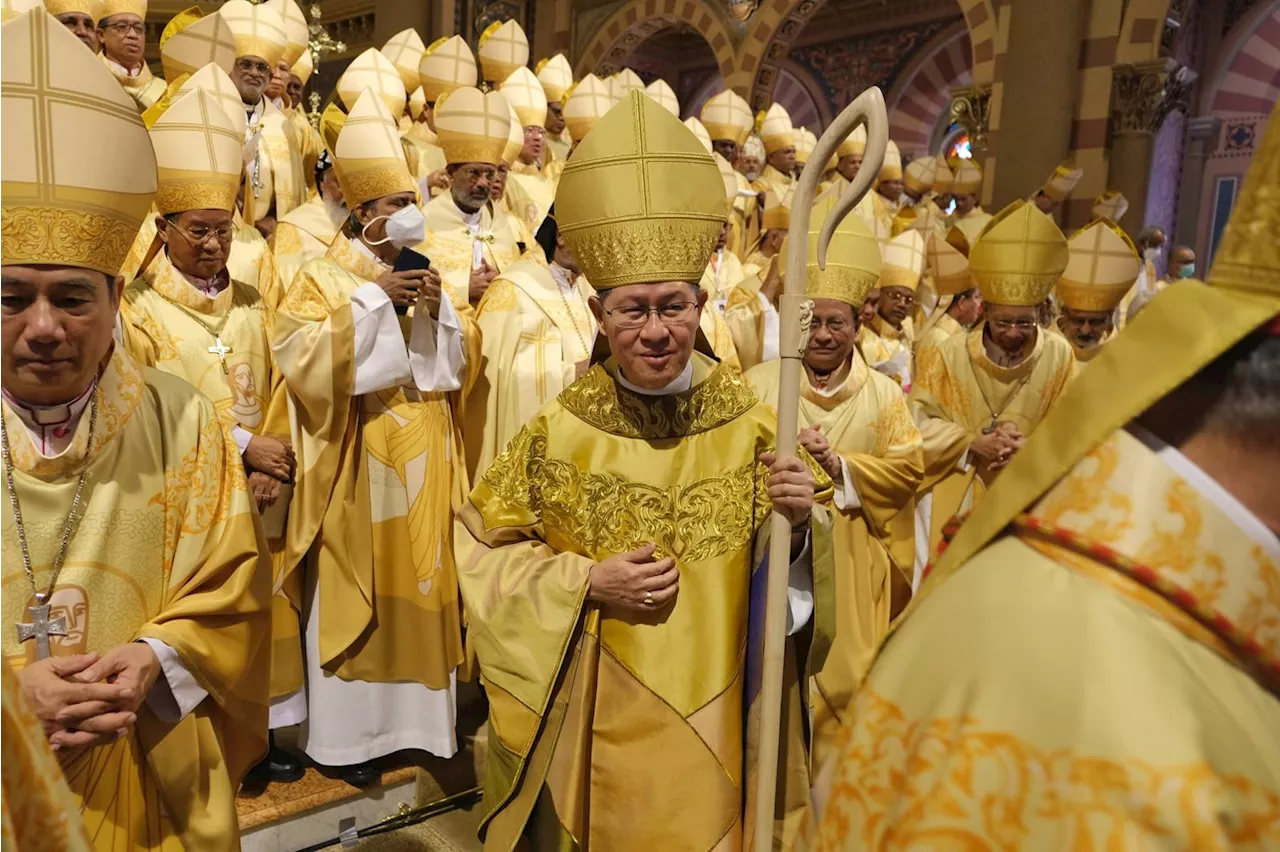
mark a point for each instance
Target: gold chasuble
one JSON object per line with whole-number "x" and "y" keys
{"x": 39, "y": 812}
{"x": 536, "y": 330}
{"x": 937, "y": 331}
{"x": 452, "y": 242}
{"x": 176, "y": 555}
{"x": 276, "y": 176}
{"x": 303, "y": 234}
{"x": 144, "y": 87}
{"x": 589, "y": 708}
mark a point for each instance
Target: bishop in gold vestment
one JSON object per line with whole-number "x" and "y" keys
{"x": 122, "y": 34}
{"x": 1093, "y": 663}
{"x": 888, "y": 341}
{"x": 532, "y": 188}
{"x": 1102, "y": 267}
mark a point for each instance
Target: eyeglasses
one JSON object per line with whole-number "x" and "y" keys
{"x": 637, "y": 316}
{"x": 835, "y": 326}
{"x": 126, "y": 27}
{"x": 479, "y": 174}
{"x": 200, "y": 233}
{"x": 246, "y": 65}
{"x": 905, "y": 298}
{"x": 1009, "y": 325}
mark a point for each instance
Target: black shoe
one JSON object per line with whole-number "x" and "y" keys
{"x": 281, "y": 766}
{"x": 361, "y": 775}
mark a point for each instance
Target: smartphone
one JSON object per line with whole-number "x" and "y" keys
{"x": 409, "y": 259}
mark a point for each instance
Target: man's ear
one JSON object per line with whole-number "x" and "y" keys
{"x": 162, "y": 229}
{"x": 702, "y": 298}
{"x": 116, "y": 290}
{"x": 597, "y": 308}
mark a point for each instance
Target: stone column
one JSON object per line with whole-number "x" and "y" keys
{"x": 392, "y": 16}
{"x": 1142, "y": 95}
{"x": 1202, "y": 140}
{"x": 1040, "y": 76}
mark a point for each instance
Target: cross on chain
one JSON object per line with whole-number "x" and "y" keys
{"x": 41, "y": 627}
{"x": 221, "y": 350}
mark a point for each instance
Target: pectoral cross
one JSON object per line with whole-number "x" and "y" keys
{"x": 41, "y": 626}
{"x": 221, "y": 350}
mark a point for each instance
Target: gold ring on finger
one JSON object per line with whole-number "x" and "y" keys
{"x": 648, "y": 598}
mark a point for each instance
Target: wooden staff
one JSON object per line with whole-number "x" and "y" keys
{"x": 796, "y": 311}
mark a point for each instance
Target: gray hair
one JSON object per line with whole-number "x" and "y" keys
{"x": 1148, "y": 234}
{"x": 1246, "y": 381}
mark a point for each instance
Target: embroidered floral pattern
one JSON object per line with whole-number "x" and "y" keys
{"x": 601, "y": 402}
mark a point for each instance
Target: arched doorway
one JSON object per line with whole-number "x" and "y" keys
{"x": 613, "y": 44}
{"x": 920, "y": 100}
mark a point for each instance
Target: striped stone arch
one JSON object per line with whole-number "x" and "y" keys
{"x": 1141, "y": 31}
{"x": 802, "y": 99}
{"x": 635, "y": 22}
{"x": 921, "y": 97}
{"x": 778, "y": 23}
{"x": 1247, "y": 78}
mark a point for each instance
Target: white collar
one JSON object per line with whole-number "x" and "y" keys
{"x": 1208, "y": 488}
{"x": 679, "y": 384}
{"x": 471, "y": 220}
{"x": 562, "y": 276}
{"x": 128, "y": 72}
{"x": 51, "y": 427}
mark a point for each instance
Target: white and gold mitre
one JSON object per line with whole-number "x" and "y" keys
{"x": 503, "y": 47}
{"x": 10, "y": 9}
{"x": 405, "y": 51}
{"x": 777, "y": 210}
{"x": 259, "y": 30}
{"x": 853, "y": 257}
{"x": 625, "y": 82}
{"x": 664, "y": 95}
{"x": 303, "y": 68}
{"x": 473, "y": 126}
{"x": 855, "y": 144}
{"x": 446, "y": 65}
{"x": 640, "y": 200}
{"x": 1110, "y": 205}
{"x": 218, "y": 83}
{"x": 947, "y": 265}
{"x": 1102, "y": 265}
{"x": 753, "y": 147}
{"x": 700, "y": 131}
{"x": 417, "y": 104}
{"x": 775, "y": 128}
{"x": 524, "y": 93}
{"x": 1064, "y": 179}
{"x": 920, "y": 174}
{"x": 891, "y": 168}
{"x": 1018, "y": 256}
{"x": 124, "y": 7}
{"x": 515, "y": 139}
{"x": 92, "y": 8}
{"x": 191, "y": 40}
{"x": 198, "y": 156}
{"x": 556, "y": 76}
{"x": 368, "y": 155}
{"x": 806, "y": 141}
{"x": 966, "y": 178}
{"x": 372, "y": 70}
{"x": 902, "y": 260}
{"x": 942, "y": 177}
{"x": 76, "y": 164}
{"x": 587, "y": 102}
{"x": 296, "y": 32}
{"x": 727, "y": 116}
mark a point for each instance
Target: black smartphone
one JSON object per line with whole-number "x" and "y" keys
{"x": 409, "y": 259}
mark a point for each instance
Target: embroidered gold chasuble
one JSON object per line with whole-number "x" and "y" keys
{"x": 533, "y": 336}
{"x": 168, "y": 547}
{"x": 867, "y": 422}
{"x": 302, "y": 234}
{"x": 310, "y": 145}
{"x": 881, "y": 342}
{"x": 450, "y": 243}
{"x": 378, "y": 477}
{"x": 958, "y": 391}
{"x": 145, "y": 89}
{"x": 744, "y": 222}
{"x": 1152, "y": 727}
{"x": 613, "y": 731}
{"x": 772, "y": 180}
{"x": 277, "y": 184}
{"x": 531, "y": 191}
{"x": 937, "y": 330}
{"x": 170, "y": 325}
{"x": 745, "y": 315}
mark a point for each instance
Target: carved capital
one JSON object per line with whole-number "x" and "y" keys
{"x": 971, "y": 109}
{"x": 1143, "y": 94}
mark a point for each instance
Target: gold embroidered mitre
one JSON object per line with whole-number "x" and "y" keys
{"x": 555, "y": 75}
{"x": 664, "y": 95}
{"x": 805, "y": 143}
{"x": 753, "y": 147}
{"x": 727, "y": 116}
{"x": 123, "y": 7}
{"x": 332, "y": 121}
{"x": 920, "y": 174}
{"x": 259, "y": 30}
{"x": 700, "y": 131}
{"x": 303, "y": 68}
{"x": 853, "y": 258}
{"x": 92, "y": 8}
{"x": 942, "y": 177}
{"x": 640, "y": 200}
{"x": 446, "y": 65}
{"x": 473, "y": 126}
{"x": 191, "y": 40}
{"x": 947, "y": 265}
{"x": 503, "y": 47}
{"x": 296, "y": 32}
{"x": 776, "y": 130}
{"x": 777, "y": 210}
{"x": 218, "y": 83}
{"x": 1110, "y": 205}
{"x": 368, "y": 156}
{"x": 966, "y": 178}
{"x": 855, "y": 144}
{"x": 624, "y": 83}
{"x": 515, "y": 139}
{"x": 405, "y": 51}
{"x": 902, "y": 260}
{"x": 1101, "y": 267}
{"x": 1062, "y": 181}
{"x": 1018, "y": 256}
{"x": 587, "y": 103}
{"x": 524, "y": 93}
{"x": 372, "y": 70}
{"x": 77, "y": 169}
{"x": 198, "y": 156}
{"x": 417, "y": 104}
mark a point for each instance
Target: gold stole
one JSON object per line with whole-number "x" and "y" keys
{"x": 168, "y": 548}
{"x": 145, "y": 89}
{"x": 378, "y": 476}
{"x": 303, "y": 234}
{"x": 282, "y": 184}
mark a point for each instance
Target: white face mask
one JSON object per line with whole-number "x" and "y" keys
{"x": 406, "y": 228}
{"x": 1151, "y": 253}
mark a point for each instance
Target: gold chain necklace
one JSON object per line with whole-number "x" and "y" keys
{"x": 41, "y": 627}
{"x": 560, "y": 288}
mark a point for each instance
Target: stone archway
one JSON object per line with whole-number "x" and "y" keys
{"x": 635, "y": 22}
{"x": 1247, "y": 77}
{"x": 921, "y": 98}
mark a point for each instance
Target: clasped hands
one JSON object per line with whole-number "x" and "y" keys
{"x": 995, "y": 449}
{"x": 269, "y": 463}
{"x": 90, "y": 700}
{"x": 637, "y": 582}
